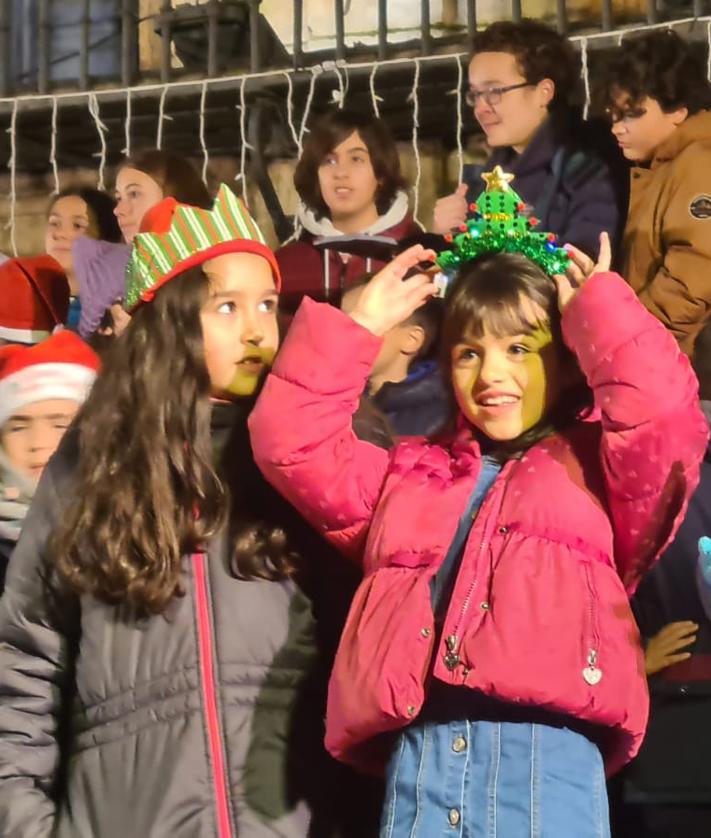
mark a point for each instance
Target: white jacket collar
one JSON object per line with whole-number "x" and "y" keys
{"x": 324, "y": 226}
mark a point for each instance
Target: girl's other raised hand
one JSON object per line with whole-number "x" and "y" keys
{"x": 580, "y": 269}
{"x": 389, "y": 298}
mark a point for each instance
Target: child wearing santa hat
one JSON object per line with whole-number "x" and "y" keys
{"x": 41, "y": 389}
{"x": 34, "y": 299}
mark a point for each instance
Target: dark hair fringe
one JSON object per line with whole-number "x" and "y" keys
{"x": 101, "y": 207}
{"x": 540, "y": 52}
{"x": 331, "y": 129}
{"x": 660, "y": 65}
{"x": 487, "y": 291}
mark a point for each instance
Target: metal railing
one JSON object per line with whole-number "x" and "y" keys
{"x": 211, "y": 23}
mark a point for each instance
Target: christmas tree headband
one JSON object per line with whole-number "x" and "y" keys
{"x": 179, "y": 236}
{"x": 500, "y": 224}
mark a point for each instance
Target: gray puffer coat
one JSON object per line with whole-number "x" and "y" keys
{"x": 205, "y": 721}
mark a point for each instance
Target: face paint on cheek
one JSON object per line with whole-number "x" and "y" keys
{"x": 250, "y": 371}
{"x": 534, "y": 400}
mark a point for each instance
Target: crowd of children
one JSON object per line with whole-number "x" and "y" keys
{"x": 417, "y": 571}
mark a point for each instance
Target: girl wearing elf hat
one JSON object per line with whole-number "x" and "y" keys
{"x": 156, "y": 650}
{"x": 490, "y": 665}
{"x": 41, "y": 389}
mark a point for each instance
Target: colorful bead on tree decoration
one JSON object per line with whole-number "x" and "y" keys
{"x": 501, "y": 226}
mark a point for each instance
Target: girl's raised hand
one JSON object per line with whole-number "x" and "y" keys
{"x": 580, "y": 269}
{"x": 388, "y": 298}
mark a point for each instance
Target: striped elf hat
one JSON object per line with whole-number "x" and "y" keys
{"x": 176, "y": 237}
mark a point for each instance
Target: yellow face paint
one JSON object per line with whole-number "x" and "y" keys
{"x": 506, "y": 385}
{"x": 249, "y": 372}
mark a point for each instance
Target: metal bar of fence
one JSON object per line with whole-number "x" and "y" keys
{"x": 84, "y": 45}
{"x": 382, "y": 30}
{"x": 5, "y": 84}
{"x": 255, "y": 59}
{"x": 212, "y": 21}
{"x": 43, "y": 47}
{"x": 561, "y": 17}
{"x": 340, "y": 30}
{"x": 128, "y": 40}
{"x": 698, "y": 8}
{"x": 516, "y": 10}
{"x": 652, "y": 16}
{"x": 298, "y": 32}
{"x": 165, "y": 41}
{"x": 606, "y": 15}
{"x": 471, "y": 18}
{"x": 425, "y": 27}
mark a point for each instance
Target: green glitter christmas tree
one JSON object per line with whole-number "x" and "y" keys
{"x": 500, "y": 224}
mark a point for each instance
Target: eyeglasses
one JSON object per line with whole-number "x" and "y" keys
{"x": 492, "y": 95}
{"x": 625, "y": 115}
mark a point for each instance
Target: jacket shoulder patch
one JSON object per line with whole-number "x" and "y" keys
{"x": 700, "y": 207}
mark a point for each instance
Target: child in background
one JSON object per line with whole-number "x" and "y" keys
{"x": 157, "y": 646}
{"x": 34, "y": 299}
{"x": 522, "y": 78}
{"x": 349, "y": 182}
{"x": 405, "y": 382}
{"x": 78, "y": 212}
{"x": 41, "y": 389}
{"x": 142, "y": 181}
{"x": 492, "y": 634}
{"x": 658, "y": 98}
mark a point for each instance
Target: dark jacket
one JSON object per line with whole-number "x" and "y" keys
{"x": 205, "y": 721}
{"x": 322, "y": 274}
{"x": 576, "y": 191}
{"x": 417, "y": 406}
{"x": 673, "y": 763}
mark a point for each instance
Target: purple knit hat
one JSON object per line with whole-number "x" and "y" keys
{"x": 100, "y": 268}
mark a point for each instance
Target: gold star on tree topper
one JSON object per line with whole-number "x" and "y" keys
{"x": 498, "y": 180}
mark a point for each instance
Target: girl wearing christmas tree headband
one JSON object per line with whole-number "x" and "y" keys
{"x": 490, "y": 666}
{"x": 153, "y": 593}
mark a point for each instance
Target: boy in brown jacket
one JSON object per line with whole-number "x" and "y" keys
{"x": 657, "y": 98}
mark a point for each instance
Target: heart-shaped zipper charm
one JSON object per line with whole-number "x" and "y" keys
{"x": 592, "y": 675}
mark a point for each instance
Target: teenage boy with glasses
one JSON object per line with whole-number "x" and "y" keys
{"x": 521, "y": 77}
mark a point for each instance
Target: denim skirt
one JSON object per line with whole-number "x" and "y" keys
{"x": 489, "y": 779}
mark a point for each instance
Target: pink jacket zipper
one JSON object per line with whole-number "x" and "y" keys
{"x": 209, "y": 692}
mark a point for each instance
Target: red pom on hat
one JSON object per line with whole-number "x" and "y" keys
{"x": 34, "y": 298}
{"x": 61, "y": 367}
{"x": 159, "y": 217}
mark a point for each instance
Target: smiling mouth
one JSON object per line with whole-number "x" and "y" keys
{"x": 497, "y": 403}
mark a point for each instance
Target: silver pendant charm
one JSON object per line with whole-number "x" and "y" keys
{"x": 592, "y": 675}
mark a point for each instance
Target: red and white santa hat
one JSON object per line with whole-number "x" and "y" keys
{"x": 34, "y": 298}
{"x": 61, "y": 367}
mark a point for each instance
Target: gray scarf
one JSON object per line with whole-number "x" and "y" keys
{"x": 16, "y": 493}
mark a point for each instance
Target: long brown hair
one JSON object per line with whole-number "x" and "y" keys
{"x": 489, "y": 293}
{"x": 148, "y": 490}
{"x": 175, "y": 175}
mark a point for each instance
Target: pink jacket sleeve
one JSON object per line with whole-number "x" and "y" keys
{"x": 301, "y": 425}
{"x": 653, "y": 432}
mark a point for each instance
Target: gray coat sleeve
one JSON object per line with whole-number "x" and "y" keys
{"x": 34, "y": 667}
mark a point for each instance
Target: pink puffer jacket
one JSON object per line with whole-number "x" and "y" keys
{"x": 539, "y": 614}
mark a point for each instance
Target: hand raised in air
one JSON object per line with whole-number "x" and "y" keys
{"x": 580, "y": 269}
{"x": 388, "y": 298}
